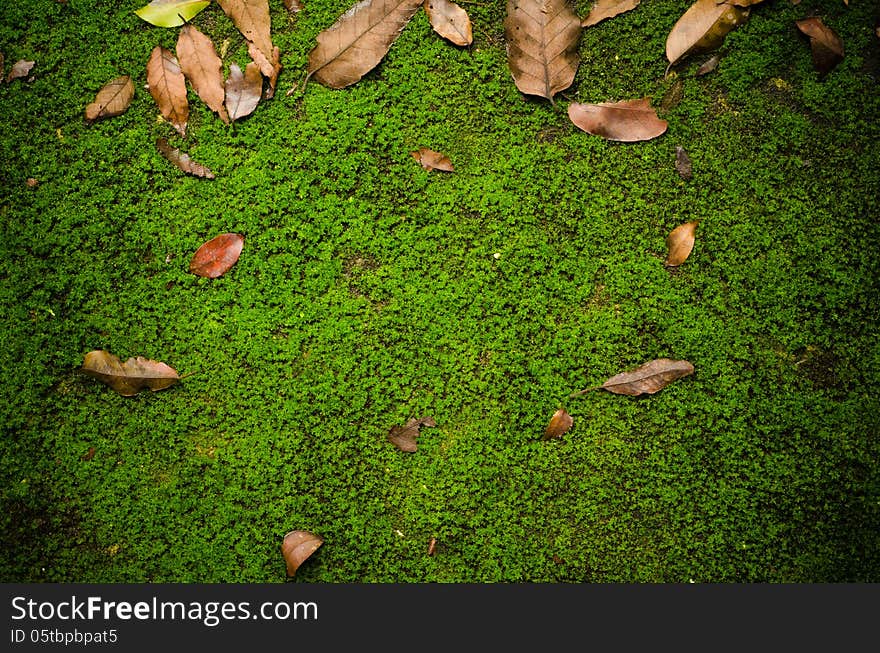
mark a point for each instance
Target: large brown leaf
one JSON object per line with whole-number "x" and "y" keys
{"x": 449, "y": 21}
{"x": 358, "y": 40}
{"x": 130, "y": 377}
{"x": 702, "y": 28}
{"x": 826, "y": 45}
{"x": 559, "y": 425}
{"x": 627, "y": 121}
{"x": 113, "y": 99}
{"x": 182, "y": 160}
{"x": 215, "y": 257}
{"x": 296, "y": 547}
{"x": 404, "y": 437}
{"x": 168, "y": 87}
{"x": 603, "y": 9}
{"x": 243, "y": 90}
{"x": 253, "y": 20}
{"x": 649, "y": 378}
{"x": 202, "y": 67}
{"x": 542, "y": 45}
{"x": 680, "y": 243}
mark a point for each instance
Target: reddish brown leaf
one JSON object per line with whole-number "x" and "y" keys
{"x": 215, "y": 257}
{"x": 243, "y": 90}
{"x": 560, "y": 424}
{"x": 130, "y": 377}
{"x": 202, "y": 67}
{"x": 168, "y": 87}
{"x": 449, "y": 21}
{"x": 628, "y": 120}
{"x": 683, "y": 163}
{"x": 826, "y": 45}
{"x": 88, "y": 455}
{"x": 358, "y": 40}
{"x": 269, "y": 67}
{"x": 702, "y": 28}
{"x": 112, "y": 100}
{"x": 404, "y": 437}
{"x": 431, "y": 160}
{"x": 680, "y": 243}
{"x": 432, "y": 545}
{"x": 296, "y": 547}
{"x": 542, "y": 45}
{"x": 182, "y": 160}
{"x": 603, "y": 9}
{"x": 649, "y": 378}
{"x": 253, "y": 20}
{"x": 20, "y": 69}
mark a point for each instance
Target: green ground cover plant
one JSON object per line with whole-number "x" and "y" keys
{"x": 370, "y": 291}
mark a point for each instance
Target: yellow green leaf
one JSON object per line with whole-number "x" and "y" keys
{"x": 171, "y": 13}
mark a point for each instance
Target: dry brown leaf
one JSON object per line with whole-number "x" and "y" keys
{"x": 431, "y": 160}
{"x": 826, "y": 45}
{"x": 215, "y": 257}
{"x": 683, "y": 165}
{"x": 740, "y": 3}
{"x": 627, "y": 121}
{"x": 182, "y": 160}
{"x": 680, "y": 243}
{"x": 20, "y": 69}
{"x": 649, "y": 378}
{"x": 168, "y": 87}
{"x": 253, "y": 20}
{"x": 603, "y": 9}
{"x": 358, "y": 41}
{"x": 243, "y": 90}
{"x": 708, "y": 66}
{"x": 296, "y": 547}
{"x": 130, "y": 377}
{"x": 113, "y": 99}
{"x": 542, "y": 45}
{"x": 270, "y": 68}
{"x": 702, "y": 28}
{"x": 404, "y": 437}
{"x": 449, "y": 21}
{"x": 293, "y": 6}
{"x": 202, "y": 67}
{"x": 560, "y": 424}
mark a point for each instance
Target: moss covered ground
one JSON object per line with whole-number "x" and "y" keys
{"x": 371, "y": 291}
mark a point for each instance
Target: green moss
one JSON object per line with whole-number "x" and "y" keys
{"x": 370, "y": 291}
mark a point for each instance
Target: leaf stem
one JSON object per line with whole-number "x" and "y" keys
{"x": 583, "y": 392}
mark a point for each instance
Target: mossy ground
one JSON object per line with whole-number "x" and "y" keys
{"x": 371, "y": 291}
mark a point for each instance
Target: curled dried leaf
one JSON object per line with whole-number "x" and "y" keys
{"x": 560, "y": 424}
{"x": 130, "y": 377}
{"x": 603, "y": 9}
{"x": 215, "y": 257}
{"x": 449, "y": 21}
{"x": 297, "y": 547}
{"x": 627, "y": 121}
{"x": 708, "y": 66}
{"x": 20, "y": 69}
{"x": 113, "y": 99}
{"x": 431, "y": 160}
{"x": 680, "y": 243}
{"x": 702, "y": 28}
{"x": 683, "y": 163}
{"x": 404, "y": 437}
{"x": 182, "y": 160}
{"x": 825, "y": 44}
{"x": 243, "y": 90}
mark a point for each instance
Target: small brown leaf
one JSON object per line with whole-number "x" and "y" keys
{"x": 603, "y": 9}
{"x": 296, "y": 547}
{"x": 683, "y": 163}
{"x": 20, "y": 69}
{"x": 243, "y": 90}
{"x": 708, "y": 66}
{"x": 449, "y": 21}
{"x": 628, "y": 120}
{"x": 826, "y": 45}
{"x": 31, "y": 182}
{"x": 112, "y": 100}
{"x": 88, "y": 455}
{"x": 404, "y": 437}
{"x": 431, "y": 160}
{"x": 253, "y": 20}
{"x": 168, "y": 87}
{"x": 560, "y": 424}
{"x": 130, "y": 377}
{"x": 680, "y": 242}
{"x": 649, "y": 378}
{"x": 432, "y": 545}
{"x": 203, "y": 68}
{"x": 702, "y": 28}
{"x": 182, "y": 160}
{"x": 215, "y": 257}
{"x": 293, "y": 6}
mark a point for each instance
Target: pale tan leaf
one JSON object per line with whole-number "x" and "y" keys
{"x": 253, "y": 20}
{"x": 20, "y": 69}
{"x": 243, "y": 90}
{"x": 627, "y": 121}
{"x": 702, "y": 28}
{"x": 202, "y": 67}
{"x": 680, "y": 243}
{"x": 293, "y": 6}
{"x": 404, "y": 437}
{"x": 113, "y": 99}
{"x": 449, "y": 21}
{"x": 182, "y": 160}
{"x": 168, "y": 87}
{"x": 683, "y": 165}
{"x": 358, "y": 40}
{"x": 825, "y": 44}
{"x": 431, "y": 160}
{"x": 130, "y": 377}
{"x": 559, "y": 425}
{"x": 542, "y": 45}
{"x": 649, "y": 378}
{"x": 603, "y": 9}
